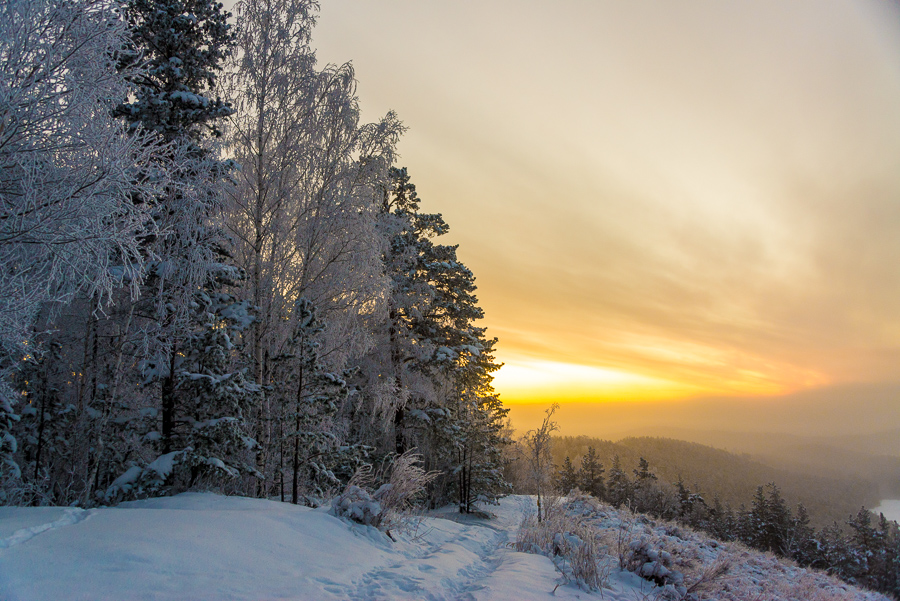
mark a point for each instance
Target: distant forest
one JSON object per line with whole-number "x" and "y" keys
{"x": 702, "y": 487}
{"x": 733, "y": 478}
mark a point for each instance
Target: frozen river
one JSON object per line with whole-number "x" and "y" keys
{"x": 890, "y": 508}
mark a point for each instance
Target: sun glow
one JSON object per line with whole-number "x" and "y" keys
{"x": 537, "y": 381}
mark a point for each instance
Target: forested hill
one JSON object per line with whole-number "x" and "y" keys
{"x": 733, "y": 478}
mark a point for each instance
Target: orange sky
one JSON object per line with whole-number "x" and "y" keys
{"x": 659, "y": 200}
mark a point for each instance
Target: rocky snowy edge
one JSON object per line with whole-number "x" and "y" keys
{"x": 210, "y": 547}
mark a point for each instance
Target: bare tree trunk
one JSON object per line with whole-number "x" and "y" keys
{"x": 168, "y": 405}
{"x": 539, "y": 504}
{"x": 281, "y": 457}
{"x": 396, "y": 363}
{"x": 296, "y": 458}
{"x": 40, "y": 434}
{"x": 93, "y": 477}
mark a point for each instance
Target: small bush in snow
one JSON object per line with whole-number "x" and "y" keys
{"x": 570, "y": 541}
{"x": 358, "y": 505}
{"x": 656, "y": 566}
{"x": 390, "y": 506}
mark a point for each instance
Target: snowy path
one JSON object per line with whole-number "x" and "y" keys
{"x": 470, "y": 559}
{"x": 209, "y": 547}
{"x": 25, "y": 515}
{"x": 446, "y": 570}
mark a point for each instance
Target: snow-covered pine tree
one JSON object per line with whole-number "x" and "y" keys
{"x": 309, "y": 395}
{"x": 567, "y": 477}
{"x": 721, "y": 522}
{"x": 691, "y": 507}
{"x": 209, "y": 441}
{"x": 407, "y": 348}
{"x": 888, "y": 577}
{"x": 590, "y": 474}
{"x": 213, "y": 395}
{"x": 835, "y": 554}
{"x": 440, "y": 363}
{"x": 756, "y": 521}
{"x": 618, "y": 487}
{"x": 883, "y": 572}
{"x": 685, "y": 500}
{"x": 648, "y": 495}
{"x": 804, "y": 545}
{"x": 183, "y": 43}
{"x": 478, "y": 418}
{"x": 780, "y": 522}
{"x": 455, "y": 355}
{"x": 643, "y": 473}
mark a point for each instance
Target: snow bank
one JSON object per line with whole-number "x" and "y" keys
{"x": 202, "y": 546}
{"x": 206, "y": 546}
{"x": 197, "y": 546}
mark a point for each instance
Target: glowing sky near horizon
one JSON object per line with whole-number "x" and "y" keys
{"x": 658, "y": 199}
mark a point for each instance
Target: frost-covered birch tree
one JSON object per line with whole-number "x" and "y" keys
{"x": 122, "y": 380}
{"x": 539, "y": 445}
{"x": 68, "y": 173}
{"x": 301, "y": 213}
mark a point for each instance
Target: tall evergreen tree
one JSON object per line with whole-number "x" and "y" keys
{"x": 692, "y": 508}
{"x": 310, "y": 395}
{"x": 804, "y": 545}
{"x": 863, "y": 546}
{"x": 756, "y": 525}
{"x": 410, "y": 348}
{"x": 478, "y": 418}
{"x": 438, "y": 362}
{"x": 590, "y": 474}
{"x": 213, "y": 395}
{"x": 618, "y": 487}
{"x": 566, "y": 477}
{"x": 643, "y": 473}
{"x": 779, "y": 522}
{"x": 646, "y": 496}
{"x": 183, "y": 43}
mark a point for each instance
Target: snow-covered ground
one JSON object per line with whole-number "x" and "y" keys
{"x": 206, "y": 546}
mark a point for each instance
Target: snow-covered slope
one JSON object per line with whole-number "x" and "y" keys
{"x": 206, "y": 546}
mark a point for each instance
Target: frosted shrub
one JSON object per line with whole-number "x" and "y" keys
{"x": 655, "y": 565}
{"x": 358, "y": 505}
{"x": 570, "y": 541}
{"x": 391, "y": 505}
